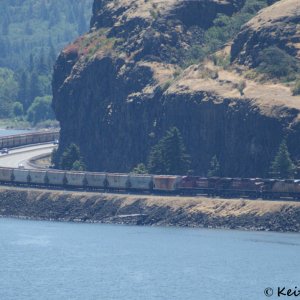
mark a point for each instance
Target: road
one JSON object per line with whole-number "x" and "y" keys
{"x": 22, "y": 155}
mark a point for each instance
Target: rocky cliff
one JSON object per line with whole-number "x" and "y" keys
{"x": 118, "y": 88}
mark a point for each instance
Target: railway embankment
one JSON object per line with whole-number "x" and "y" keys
{"x": 151, "y": 210}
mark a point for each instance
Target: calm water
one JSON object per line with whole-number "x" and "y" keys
{"x": 5, "y": 132}
{"x": 49, "y": 260}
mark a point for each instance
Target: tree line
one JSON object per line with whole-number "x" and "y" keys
{"x": 32, "y": 33}
{"x": 169, "y": 157}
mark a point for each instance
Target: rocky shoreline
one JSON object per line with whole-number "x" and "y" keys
{"x": 149, "y": 210}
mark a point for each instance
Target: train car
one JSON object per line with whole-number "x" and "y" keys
{"x": 56, "y": 177}
{"x": 6, "y": 174}
{"x": 28, "y": 138}
{"x": 187, "y": 182}
{"x": 286, "y": 188}
{"x": 75, "y": 179}
{"x": 96, "y": 180}
{"x": 250, "y": 187}
{"x": 38, "y": 176}
{"x": 219, "y": 186}
{"x": 267, "y": 187}
{"x": 9, "y": 142}
{"x": 194, "y": 185}
{"x": 23, "y": 139}
{"x": 118, "y": 181}
{"x": 141, "y": 182}
{"x": 166, "y": 183}
{"x": 21, "y": 175}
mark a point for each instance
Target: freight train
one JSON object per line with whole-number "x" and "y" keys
{"x": 160, "y": 184}
{"x": 28, "y": 138}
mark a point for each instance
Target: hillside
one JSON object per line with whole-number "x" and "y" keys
{"x": 32, "y": 33}
{"x": 148, "y": 65}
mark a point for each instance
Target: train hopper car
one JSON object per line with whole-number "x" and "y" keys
{"x": 96, "y": 180}
{"x": 286, "y": 188}
{"x": 21, "y": 175}
{"x": 166, "y": 183}
{"x": 118, "y": 181}
{"x": 75, "y": 179}
{"x": 141, "y": 182}
{"x": 37, "y": 176}
{"x": 56, "y": 177}
{"x": 6, "y": 174}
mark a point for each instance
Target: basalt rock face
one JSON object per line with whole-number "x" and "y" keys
{"x": 117, "y": 90}
{"x": 276, "y": 25}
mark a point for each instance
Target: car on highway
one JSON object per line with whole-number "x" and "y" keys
{"x": 55, "y": 142}
{"x": 4, "y": 151}
{"x": 21, "y": 166}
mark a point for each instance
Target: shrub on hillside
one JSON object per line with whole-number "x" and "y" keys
{"x": 276, "y": 63}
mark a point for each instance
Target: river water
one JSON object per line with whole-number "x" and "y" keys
{"x": 52, "y": 260}
{"x": 5, "y": 132}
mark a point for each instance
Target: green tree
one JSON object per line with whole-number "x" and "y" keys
{"x": 23, "y": 91}
{"x": 8, "y": 91}
{"x": 140, "y": 169}
{"x": 169, "y": 155}
{"x": 35, "y": 89}
{"x": 71, "y": 158}
{"x": 282, "y": 165}
{"x": 18, "y": 109}
{"x": 78, "y": 165}
{"x": 40, "y": 110}
{"x": 5, "y": 25}
{"x": 214, "y": 169}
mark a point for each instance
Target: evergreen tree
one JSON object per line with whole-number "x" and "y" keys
{"x": 282, "y": 166}
{"x": 52, "y": 52}
{"x": 23, "y": 91}
{"x": 82, "y": 26}
{"x": 5, "y": 25}
{"x": 169, "y": 155}
{"x": 34, "y": 87}
{"x": 78, "y": 165}
{"x": 71, "y": 158}
{"x": 140, "y": 169}
{"x": 28, "y": 46}
{"x": 18, "y": 109}
{"x": 28, "y": 29}
{"x": 31, "y": 63}
{"x": 42, "y": 64}
{"x": 43, "y": 11}
{"x": 156, "y": 164}
{"x": 8, "y": 92}
{"x": 214, "y": 169}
